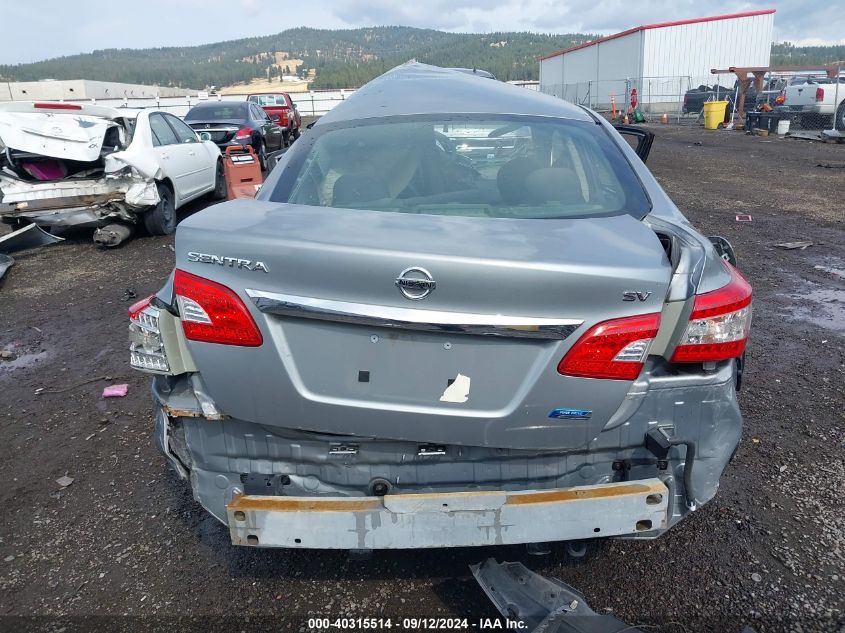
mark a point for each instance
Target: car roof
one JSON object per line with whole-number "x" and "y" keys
{"x": 415, "y": 88}
{"x": 220, "y": 104}
{"x": 475, "y": 71}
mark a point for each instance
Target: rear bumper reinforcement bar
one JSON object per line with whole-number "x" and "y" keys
{"x": 449, "y": 519}
{"x": 411, "y": 318}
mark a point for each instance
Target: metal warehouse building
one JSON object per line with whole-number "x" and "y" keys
{"x": 58, "y": 90}
{"x": 661, "y": 61}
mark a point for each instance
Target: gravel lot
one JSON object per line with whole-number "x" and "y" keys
{"x": 126, "y": 538}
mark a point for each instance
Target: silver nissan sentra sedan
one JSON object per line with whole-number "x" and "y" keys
{"x": 458, "y": 313}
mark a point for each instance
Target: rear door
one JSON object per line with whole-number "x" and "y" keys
{"x": 271, "y": 132}
{"x": 176, "y": 162}
{"x": 201, "y": 166}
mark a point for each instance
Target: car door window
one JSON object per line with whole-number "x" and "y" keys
{"x": 183, "y": 131}
{"x": 163, "y": 134}
{"x": 257, "y": 114}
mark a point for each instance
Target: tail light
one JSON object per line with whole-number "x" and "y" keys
{"x": 244, "y": 132}
{"x": 613, "y": 349}
{"x": 819, "y": 94}
{"x": 212, "y": 313}
{"x": 146, "y": 346}
{"x": 719, "y": 323}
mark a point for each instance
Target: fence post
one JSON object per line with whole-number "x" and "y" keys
{"x": 627, "y": 93}
{"x": 680, "y": 98}
{"x": 836, "y": 122}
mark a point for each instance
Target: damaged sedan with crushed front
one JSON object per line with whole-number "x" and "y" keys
{"x": 71, "y": 165}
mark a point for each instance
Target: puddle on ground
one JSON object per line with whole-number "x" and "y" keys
{"x": 22, "y": 361}
{"x": 822, "y": 304}
{"x": 824, "y": 307}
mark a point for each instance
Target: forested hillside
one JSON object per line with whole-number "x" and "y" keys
{"x": 786, "y": 54}
{"x": 337, "y": 58}
{"x": 341, "y": 58}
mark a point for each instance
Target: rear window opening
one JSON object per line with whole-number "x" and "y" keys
{"x": 269, "y": 100}
{"x": 217, "y": 112}
{"x": 477, "y": 166}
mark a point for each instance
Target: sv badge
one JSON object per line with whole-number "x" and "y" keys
{"x": 632, "y": 295}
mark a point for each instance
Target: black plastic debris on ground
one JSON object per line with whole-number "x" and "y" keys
{"x": 544, "y": 605}
{"x": 28, "y": 237}
{"x": 6, "y": 263}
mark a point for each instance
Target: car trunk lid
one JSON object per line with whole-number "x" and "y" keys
{"x": 417, "y": 374}
{"x": 219, "y": 131}
{"x": 75, "y": 137}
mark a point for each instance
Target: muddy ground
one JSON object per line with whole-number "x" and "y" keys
{"x": 126, "y": 538}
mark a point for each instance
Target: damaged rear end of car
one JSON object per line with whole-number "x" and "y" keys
{"x": 445, "y": 346}
{"x": 64, "y": 164}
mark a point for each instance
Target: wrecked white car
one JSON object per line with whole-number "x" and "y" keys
{"x": 65, "y": 164}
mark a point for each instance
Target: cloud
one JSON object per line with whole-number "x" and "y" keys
{"x": 252, "y": 7}
{"x": 795, "y": 19}
{"x": 66, "y": 29}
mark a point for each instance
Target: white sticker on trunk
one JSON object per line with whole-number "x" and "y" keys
{"x": 458, "y": 391}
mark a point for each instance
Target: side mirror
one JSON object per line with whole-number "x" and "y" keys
{"x": 724, "y": 249}
{"x": 205, "y": 136}
{"x": 643, "y": 139}
{"x": 274, "y": 157}
{"x": 275, "y": 118}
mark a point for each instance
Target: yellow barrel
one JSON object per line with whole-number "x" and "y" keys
{"x": 714, "y": 114}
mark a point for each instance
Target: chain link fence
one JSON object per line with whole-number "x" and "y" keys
{"x": 810, "y": 101}
{"x": 652, "y": 95}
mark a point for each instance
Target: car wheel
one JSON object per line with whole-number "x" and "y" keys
{"x": 839, "y": 124}
{"x": 161, "y": 219}
{"x": 221, "y": 188}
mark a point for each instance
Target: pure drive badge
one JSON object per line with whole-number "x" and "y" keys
{"x": 231, "y": 262}
{"x": 571, "y": 414}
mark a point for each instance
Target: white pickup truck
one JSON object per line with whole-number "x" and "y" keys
{"x": 816, "y": 101}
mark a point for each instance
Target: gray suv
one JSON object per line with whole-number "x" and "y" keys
{"x": 458, "y": 313}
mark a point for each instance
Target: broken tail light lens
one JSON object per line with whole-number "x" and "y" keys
{"x": 212, "y": 313}
{"x": 719, "y": 324}
{"x": 244, "y": 132}
{"x": 146, "y": 347}
{"x": 614, "y": 349}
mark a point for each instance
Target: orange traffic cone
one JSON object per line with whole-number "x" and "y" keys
{"x": 664, "y": 119}
{"x": 612, "y": 106}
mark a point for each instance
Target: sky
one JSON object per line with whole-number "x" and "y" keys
{"x": 50, "y": 28}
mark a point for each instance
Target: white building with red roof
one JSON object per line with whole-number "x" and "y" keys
{"x": 661, "y": 61}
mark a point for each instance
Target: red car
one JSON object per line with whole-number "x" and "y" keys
{"x": 282, "y": 110}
